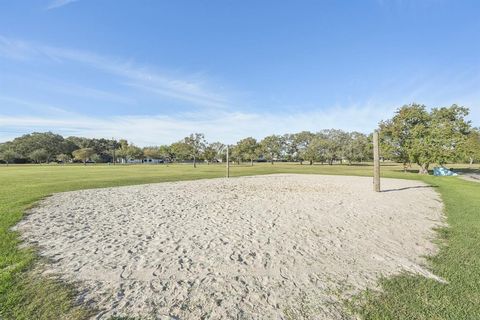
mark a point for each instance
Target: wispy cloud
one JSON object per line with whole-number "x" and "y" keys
{"x": 143, "y": 77}
{"x": 55, "y": 4}
{"x": 187, "y": 89}
{"x": 222, "y": 126}
{"x": 16, "y": 49}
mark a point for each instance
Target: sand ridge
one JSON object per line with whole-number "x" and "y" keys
{"x": 260, "y": 247}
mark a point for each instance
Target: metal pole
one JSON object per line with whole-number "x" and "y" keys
{"x": 228, "y": 163}
{"x": 376, "y": 162}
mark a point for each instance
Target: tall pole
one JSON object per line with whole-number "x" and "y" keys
{"x": 114, "y": 146}
{"x": 376, "y": 162}
{"x": 228, "y": 163}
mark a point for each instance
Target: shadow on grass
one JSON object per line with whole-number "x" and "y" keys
{"x": 406, "y": 188}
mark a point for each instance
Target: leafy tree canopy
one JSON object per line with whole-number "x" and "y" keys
{"x": 415, "y": 135}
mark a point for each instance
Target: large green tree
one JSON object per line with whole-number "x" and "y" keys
{"x": 271, "y": 147}
{"x": 315, "y": 149}
{"x": 301, "y": 146}
{"x": 333, "y": 141}
{"x": 247, "y": 149}
{"x": 195, "y": 144}
{"x": 180, "y": 151}
{"x": 415, "y": 135}
{"x": 358, "y": 148}
{"x": 51, "y": 144}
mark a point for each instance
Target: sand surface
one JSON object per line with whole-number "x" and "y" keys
{"x": 263, "y": 247}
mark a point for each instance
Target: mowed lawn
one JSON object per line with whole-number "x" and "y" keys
{"x": 24, "y": 294}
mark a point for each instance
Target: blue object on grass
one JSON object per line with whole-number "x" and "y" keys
{"x": 443, "y": 172}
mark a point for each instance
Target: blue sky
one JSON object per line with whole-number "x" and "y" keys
{"x": 155, "y": 71}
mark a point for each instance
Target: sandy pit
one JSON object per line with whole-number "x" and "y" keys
{"x": 263, "y": 247}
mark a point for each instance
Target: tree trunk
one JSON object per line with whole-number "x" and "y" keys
{"x": 311, "y": 162}
{"x": 85, "y": 162}
{"x": 471, "y": 162}
{"x": 251, "y": 162}
{"x": 272, "y": 161}
{"x": 301, "y": 162}
{"x": 194, "y": 162}
{"x": 423, "y": 168}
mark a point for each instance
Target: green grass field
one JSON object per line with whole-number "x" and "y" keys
{"x": 24, "y": 294}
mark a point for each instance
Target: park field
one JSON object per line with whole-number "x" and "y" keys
{"x": 24, "y": 294}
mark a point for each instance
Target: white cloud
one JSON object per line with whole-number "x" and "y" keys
{"x": 217, "y": 117}
{"x": 193, "y": 90}
{"x": 55, "y": 4}
{"x": 223, "y": 126}
{"x": 16, "y": 49}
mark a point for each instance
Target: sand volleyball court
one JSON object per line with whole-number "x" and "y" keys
{"x": 262, "y": 247}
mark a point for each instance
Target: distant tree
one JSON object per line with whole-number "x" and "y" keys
{"x": 209, "y": 154}
{"x": 333, "y": 144}
{"x": 357, "y": 147}
{"x": 220, "y": 150}
{"x": 97, "y": 158}
{"x": 122, "y": 151}
{"x": 314, "y": 149}
{"x": 39, "y": 155}
{"x": 235, "y": 154}
{"x": 51, "y": 144}
{"x": 134, "y": 152}
{"x": 63, "y": 158}
{"x": 247, "y": 149}
{"x": 8, "y": 155}
{"x": 113, "y": 146}
{"x": 152, "y": 152}
{"x": 79, "y": 142}
{"x": 290, "y": 147}
{"x": 301, "y": 142}
{"x": 83, "y": 154}
{"x": 271, "y": 147}
{"x": 180, "y": 150}
{"x": 415, "y": 135}
{"x": 70, "y": 145}
{"x": 165, "y": 152}
{"x": 103, "y": 148}
{"x": 161, "y": 152}
{"x": 196, "y": 145}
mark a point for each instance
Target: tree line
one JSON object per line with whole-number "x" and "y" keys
{"x": 412, "y": 135}
{"x": 326, "y": 146}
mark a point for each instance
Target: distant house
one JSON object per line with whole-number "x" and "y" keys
{"x": 145, "y": 161}
{"x": 153, "y": 161}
